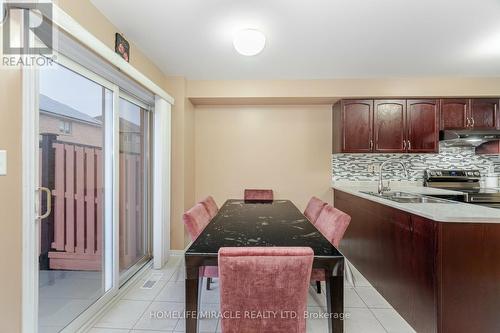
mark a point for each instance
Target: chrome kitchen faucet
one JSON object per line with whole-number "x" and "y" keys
{"x": 381, "y": 187}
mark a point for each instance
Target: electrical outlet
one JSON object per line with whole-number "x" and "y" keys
{"x": 3, "y": 163}
{"x": 376, "y": 168}
{"x": 369, "y": 168}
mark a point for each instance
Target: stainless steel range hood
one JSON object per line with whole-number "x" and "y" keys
{"x": 467, "y": 138}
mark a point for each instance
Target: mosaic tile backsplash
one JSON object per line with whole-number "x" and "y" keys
{"x": 355, "y": 166}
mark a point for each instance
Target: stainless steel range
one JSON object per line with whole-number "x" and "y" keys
{"x": 465, "y": 181}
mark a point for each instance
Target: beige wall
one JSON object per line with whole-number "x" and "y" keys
{"x": 204, "y": 92}
{"x": 10, "y": 201}
{"x": 89, "y": 17}
{"x": 285, "y": 148}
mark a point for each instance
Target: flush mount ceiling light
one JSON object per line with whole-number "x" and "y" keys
{"x": 249, "y": 42}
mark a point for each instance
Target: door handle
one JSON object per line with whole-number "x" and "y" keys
{"x": 49, "y": 203}
{"x": 471, "y": 121}
{"x": 467, "y": 122}
{"x": 371, "y": 144}
{"x": 404, "y": 144}
{"x": 409, "y": 145}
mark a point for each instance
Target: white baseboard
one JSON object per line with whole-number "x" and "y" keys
{"x": 180, "y": 252}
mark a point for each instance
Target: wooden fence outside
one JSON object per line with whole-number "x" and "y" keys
{"x": 72, "y": 238}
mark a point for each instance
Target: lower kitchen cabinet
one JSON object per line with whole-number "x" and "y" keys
{"x": 440, "y": 277}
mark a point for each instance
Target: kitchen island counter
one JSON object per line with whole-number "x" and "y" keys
{"x": 436, "y": 264}
{"x": 440, "y": 212}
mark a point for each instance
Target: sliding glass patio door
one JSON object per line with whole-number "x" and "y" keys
{"x": 134, "y": 189}
{"x": 94, "y": 161}
{"x": 75, "y": 252}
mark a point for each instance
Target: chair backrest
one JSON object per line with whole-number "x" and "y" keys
{"x": 259, "y": 195}
{"x": 196, "y": 219}
{"x": 267, "y": 280}
{"x": 313, "y": 209}
{"x": 332, "y": 223}
{"x": 210, "y": 206}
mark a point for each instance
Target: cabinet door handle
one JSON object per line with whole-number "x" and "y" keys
{"x": 471, "y": 121}
{"x": 467, "y": 122}
{"x": 404, "y": 144}
{"x": 409, "y": 145}
{"x": 371, "y": 144}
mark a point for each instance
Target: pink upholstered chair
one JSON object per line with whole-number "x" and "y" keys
{"x": 195, "y": 220}
{"x": 313, "y": 209}
{"x": 259, "y": 195}
{"x": 332, "y": 223}
{"x": 263, "y": 279}
{"x": 210, "y": 205}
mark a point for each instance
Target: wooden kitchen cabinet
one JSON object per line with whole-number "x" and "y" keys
{"x": 474, "y": 113}
{"x": 454, "y": 113}
{"x": 422, "y": 271}
{"x": 422, "y": 118}
{"x": 492, "y": 147}
{"x": 409, "y": 125}
{"x": 389, "y": 126}
{"x": 353, "y": 126}
{"x": 386, "y": 126}
{"x": 431, "y": 272}
{"x": 484, "y": 113}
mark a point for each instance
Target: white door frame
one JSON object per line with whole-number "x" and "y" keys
{"x": 30, "y": 174}
{"x": 162, "y": 124}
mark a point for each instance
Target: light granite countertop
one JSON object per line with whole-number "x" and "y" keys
{"x": 441, "y": 212}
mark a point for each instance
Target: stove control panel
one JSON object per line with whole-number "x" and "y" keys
{"x": 452, "y": 173}
{"x": 456, "y": 179}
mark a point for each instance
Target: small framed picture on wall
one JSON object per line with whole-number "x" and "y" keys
{"x": 122, "y": 47}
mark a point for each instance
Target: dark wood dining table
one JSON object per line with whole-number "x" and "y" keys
{"x": 277, "y": 223}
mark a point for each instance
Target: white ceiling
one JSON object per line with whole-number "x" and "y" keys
{"x": 315, "y": 39}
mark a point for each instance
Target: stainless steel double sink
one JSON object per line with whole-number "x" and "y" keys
{"x": 403, "y": 197}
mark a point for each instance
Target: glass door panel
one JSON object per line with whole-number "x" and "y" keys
{"x": 73, "y": 112}
{"x": 133, "y": 194}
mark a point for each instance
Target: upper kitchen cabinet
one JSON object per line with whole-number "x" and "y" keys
{"x": 386, "y": 126}
{"x": 389, "y": 128}
{"x": 484, "y": 113}
{"x": 492, "y": 147}
{"x": 422, "y": 118}
{"x": 408, "y": 125}
{"x": 353, "y": 126}
{"x": 475, "y": 113}
{"x": 454, "y": 113}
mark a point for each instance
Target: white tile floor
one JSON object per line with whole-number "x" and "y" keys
{"x": 367, "y": 310}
